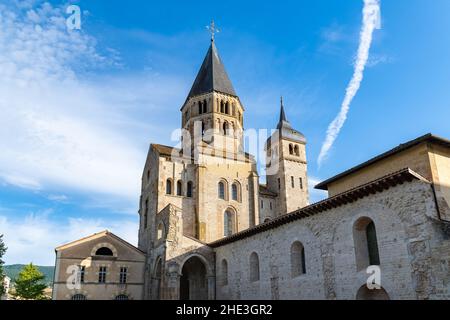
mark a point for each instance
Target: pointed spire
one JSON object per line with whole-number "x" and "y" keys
{"x": 212, "y": 75}
{"x": 282, "y": 114}
{"x": 283, "y": 120}
{"x": 285, "y": 129}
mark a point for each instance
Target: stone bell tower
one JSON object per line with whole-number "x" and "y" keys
{"x": 212, "y": 112}
{"x": 286, "y": 166}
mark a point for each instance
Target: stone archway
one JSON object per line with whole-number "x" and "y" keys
{"x": 193, "y": 281}
{"x": 365, "y": 293}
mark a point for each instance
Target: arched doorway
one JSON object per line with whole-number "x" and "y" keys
{"x": 193, "y": 281}
{"x": 365, "y": 293}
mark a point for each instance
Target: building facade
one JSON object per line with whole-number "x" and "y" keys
{"x": 99, "y": 267}
{"x": 210, "y": 230}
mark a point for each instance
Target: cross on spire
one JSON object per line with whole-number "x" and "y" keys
{"x": 213, "y": 30}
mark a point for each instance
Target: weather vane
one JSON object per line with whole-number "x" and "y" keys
{"x": 212, "y": 29}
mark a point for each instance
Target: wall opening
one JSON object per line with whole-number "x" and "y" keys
{"x": 298, "y": 264}
{"x": 254, "y": 267}
{"x": 366, "y": 243}
{"x": 193, "y": 282}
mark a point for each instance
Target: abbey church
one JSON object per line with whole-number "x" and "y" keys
{"x": 210, "y": 230}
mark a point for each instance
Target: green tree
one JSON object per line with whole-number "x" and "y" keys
{"x": 29, "y": 284}
{"x": 2, "y": 274}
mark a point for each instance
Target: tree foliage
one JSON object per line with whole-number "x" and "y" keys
{"x": 2, "y": 274}
{"x": 30, "y": 284}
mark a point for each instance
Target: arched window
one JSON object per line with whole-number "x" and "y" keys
{"x": 104, "y": 251}
{"x": 225, "y": 128}
{"x": 179, "y": 188}
{"x": 235, "y": 192}
{"x": 122, "y": 297}
{"x": 254, "y": 267}
{"x": 200, "y": 107}
{"x": 298, "y": 264}
{"x": 221, "y": 190}
{"x": 228, "y": 223}
{"x": 291, "y": 149}
{"x": 189, "y": 189}
{"x": 78, "y": 297}
{"x": 224, "y": 266}
{"x": 296, "y": 150}
{"x": 222, "y": 106}
{"x": 160, "y": 231}
{"x": 168, "y": 186}
{"x": 366, "y": 244}
{"x": 227, "y": 107}
{"x": 205, "y": 106}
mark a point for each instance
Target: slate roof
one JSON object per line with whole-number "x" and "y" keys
{"x": 379, "y": 185}
{"x": 285, "y": 129}
{"x": 425, "y": 138}
{"x": 212, "y": 76}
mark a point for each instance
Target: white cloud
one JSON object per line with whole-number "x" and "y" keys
{"x": 376, "y": 59}
{"x": 60, "y": 130}
{"x": 371, "y": 21}
{"x": 58, "y": 197}
{"x": 20, "y": 181}
{"x": 34, "y": 238}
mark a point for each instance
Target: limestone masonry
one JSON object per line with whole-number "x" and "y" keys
{"x": 210, "y": 230}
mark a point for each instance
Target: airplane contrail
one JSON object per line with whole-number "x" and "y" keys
{"x": 371, "y": 21}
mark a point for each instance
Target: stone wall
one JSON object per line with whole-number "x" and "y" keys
{"x": 267, "y": 208}
{"x": 414, "y": 252}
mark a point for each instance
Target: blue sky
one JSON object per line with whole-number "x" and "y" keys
{"x": 80, "y": 108}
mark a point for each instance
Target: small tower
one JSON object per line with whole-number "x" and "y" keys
{"x": 286, "y": 166}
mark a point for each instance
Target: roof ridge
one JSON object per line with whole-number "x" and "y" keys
{"x": 399, "y": 148}
{"x": 343, "y": 198}
{"x": 101, "y": 233}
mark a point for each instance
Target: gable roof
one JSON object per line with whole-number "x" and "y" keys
{"x": 212, "y": 76}
{"x": 402, "y": 147}
{"x": 165, "y": 150}
{"x": 96, "y": 236}
{"x": 379, "y": 185}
